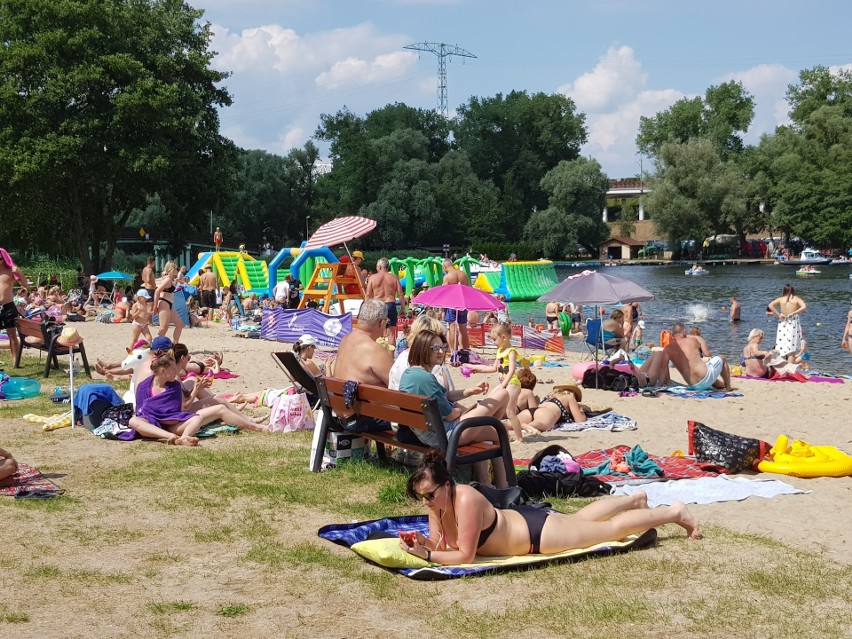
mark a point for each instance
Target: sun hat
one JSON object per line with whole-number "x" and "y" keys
{"x": 755, "y": 332}
{"x": 69, "y": 337}
{"x": 94, "y": 278}
{"x": 161, "y": 343}
{"x": 307, "y": 340}
{"x": 572, "y": 387}
{"x": 357, "y": 254}
{"x": 143, "y": 293}
{"x": 642, "y": 324}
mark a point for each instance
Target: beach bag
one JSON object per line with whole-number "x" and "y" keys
{"x": 291, "y": 413}
{"x": 609, "y": 379}
{"x": 731, "y": 452}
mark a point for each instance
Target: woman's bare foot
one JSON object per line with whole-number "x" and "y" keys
{"x": 532, "y": 432}
{"x": 185, "y": 441}
{"x": 640, "y": 499}
{"x": 108, "y": 375}
{"x": 258, "y": 419}
{"x": 686, "y": 520}
{"x": 100, "y": 368}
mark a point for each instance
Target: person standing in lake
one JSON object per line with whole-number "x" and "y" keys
{"x": 788, "y": 308}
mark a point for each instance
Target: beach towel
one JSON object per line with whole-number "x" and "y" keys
{"x": 632, "y": 463}
{"x": 811, "y": 378}
{"x": 223, "y": 373}
{"x": 348, "y": 535}
{"x": 673, "y": 467}
{"x": 710, "y": 490}
{"x": 31, "y": 484}
{"x": 611, "y": 421}
{"x": 683, "y": 391}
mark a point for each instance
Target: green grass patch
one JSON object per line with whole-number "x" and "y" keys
{"x": 9, "y": 616}
{"x": 169, "y": 607}
{"x": 232, "y": 610}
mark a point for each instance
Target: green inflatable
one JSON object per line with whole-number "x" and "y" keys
{"x": 565, "y": 324}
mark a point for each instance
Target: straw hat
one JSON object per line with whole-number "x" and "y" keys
{"x": 572, "y": 387}
{"x": 69, "y": 337}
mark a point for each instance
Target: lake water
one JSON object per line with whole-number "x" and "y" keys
{"x": 697, "y": 301}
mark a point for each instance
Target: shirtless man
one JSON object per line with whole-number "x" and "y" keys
{"x": 8, "y": 311}
{"x": 361, "y": 359}
{"x": 207, "y": 285}
{"x": 149, "y": 280}
{"x": 551, "y": 314}
{"x": 385, "y": 287}
{"x": 453, "y": 275}
{"x": 685, "y": 353}
{"x": 735, "y": 310}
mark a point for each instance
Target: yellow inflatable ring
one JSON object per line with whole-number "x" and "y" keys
{"x": 800, "y": 459}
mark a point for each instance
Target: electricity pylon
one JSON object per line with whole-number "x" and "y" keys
{"x": 443, "y": 51}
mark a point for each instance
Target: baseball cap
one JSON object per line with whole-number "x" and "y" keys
{"x": 161, "y": 343}
{"x": 143, "y": 293}
{"x": 358, "y": 254}
{"x": 307, "y": 340}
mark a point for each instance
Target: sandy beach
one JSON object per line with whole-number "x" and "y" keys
{"x": 816, "y": 412}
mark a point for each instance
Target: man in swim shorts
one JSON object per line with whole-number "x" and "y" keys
{"x": 684, "y": 352}
{"x": 551, "y": 314}
{"x": 149, "y": 279}
{"x": 385, "y": 287}
{"x": 452, "y": 275}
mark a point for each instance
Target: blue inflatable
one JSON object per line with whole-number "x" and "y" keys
{"x": 20, "y": 388}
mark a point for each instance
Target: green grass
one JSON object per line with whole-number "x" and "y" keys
{"x": 13, "y": 617}
{"x": 169, "y": 607}
{"x": 230, "y": 611}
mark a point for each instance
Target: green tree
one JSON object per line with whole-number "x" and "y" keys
{"x": 696, "y": 195}
{"x": 514, "y": 140}
{"x": 722, "y": 116}
{"x": 819, "y": 87}
{"x": 104, "y": 103}
{"x": 577, "y": 193}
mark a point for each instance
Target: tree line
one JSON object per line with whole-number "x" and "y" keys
{"x": 109, "y": 119}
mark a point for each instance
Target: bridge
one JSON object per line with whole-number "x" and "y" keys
{"x": 623, "y": 189}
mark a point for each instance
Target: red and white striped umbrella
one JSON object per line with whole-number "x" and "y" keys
{"x": 340, "y": 231}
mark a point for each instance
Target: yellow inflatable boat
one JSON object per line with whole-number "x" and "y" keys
{"x": 800, "y": 459}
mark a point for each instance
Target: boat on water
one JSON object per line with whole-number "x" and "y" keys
{"x": 802, "y": 272}
{"x": 696, "y": 271}
{"x": 808, "y": 257}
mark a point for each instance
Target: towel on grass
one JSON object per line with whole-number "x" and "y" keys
{"x": 30, "y": 483}
{"x": 710, "y": 490}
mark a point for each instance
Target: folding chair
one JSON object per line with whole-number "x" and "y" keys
{"x": 305, "y": 383}
{"x": 594, "y": 340}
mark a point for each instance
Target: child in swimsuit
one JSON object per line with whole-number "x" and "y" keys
{"x": 506, "y": 363}
{"x": 140, "y": 315}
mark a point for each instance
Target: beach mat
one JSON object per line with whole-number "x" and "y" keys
{"x": 683, "y": 391}
{"x": 348, "y": 534}
{"x": 673, "y": 467}
{"x": 31, "y": 484}
{"x": 811, "y": 378}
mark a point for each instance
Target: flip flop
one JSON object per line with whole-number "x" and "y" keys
{"x": 650, "y": 393}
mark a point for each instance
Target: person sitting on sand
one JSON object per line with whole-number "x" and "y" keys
{"x": 463, "y": 524}
{"x": 8, "y": 467}
{"x": 527, "y": 400}
{"x": 561, "y": 405}
{"x": 684, "y": 352}
{"x": 755, "y": 361}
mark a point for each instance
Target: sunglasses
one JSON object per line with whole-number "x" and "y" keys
{"x": 427, "y": 496}
{"x": 438, "y": 348}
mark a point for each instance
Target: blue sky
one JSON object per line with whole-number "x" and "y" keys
{"x": 293, "y": 60}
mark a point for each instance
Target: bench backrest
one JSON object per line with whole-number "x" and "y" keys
{"x": 29, "y": 328}
{"x": 415, "y": 411}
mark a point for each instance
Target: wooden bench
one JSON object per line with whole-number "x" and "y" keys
{"x": 418, "y": 413}
{"x": 32, "y": 335}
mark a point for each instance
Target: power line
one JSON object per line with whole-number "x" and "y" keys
{"x": 443, "y": 51}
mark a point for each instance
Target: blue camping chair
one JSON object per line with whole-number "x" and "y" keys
{"x": 594, "y": 340}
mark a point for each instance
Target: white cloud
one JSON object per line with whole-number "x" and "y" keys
{"x": 379, "y": 69}
{"x": 616, "y": 77}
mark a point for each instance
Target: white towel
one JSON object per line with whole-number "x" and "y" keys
{"x": 709, "y": 490}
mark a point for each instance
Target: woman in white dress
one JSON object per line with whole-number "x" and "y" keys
{"x": 788, "y": 308}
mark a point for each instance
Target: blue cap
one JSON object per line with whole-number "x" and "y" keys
{"x": 161, "y": 343}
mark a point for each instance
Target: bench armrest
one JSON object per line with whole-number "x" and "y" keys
{"x": 502, "y": 437}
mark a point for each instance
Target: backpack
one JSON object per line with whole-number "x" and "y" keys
{"x": 606, "y": 378}
{"x": 291, "y": 413}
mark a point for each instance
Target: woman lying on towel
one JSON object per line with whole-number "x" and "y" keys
{"x": 464, "y": 524}
{"x": 561, "y": 405}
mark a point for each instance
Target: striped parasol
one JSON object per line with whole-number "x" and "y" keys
{"x": 340, "y": 231}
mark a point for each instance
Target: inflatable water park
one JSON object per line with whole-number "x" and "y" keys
{"x": 516, "y": 281}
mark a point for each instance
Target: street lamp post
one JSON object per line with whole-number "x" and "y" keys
{"x": 307, "y": 227}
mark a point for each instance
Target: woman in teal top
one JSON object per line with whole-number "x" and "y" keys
{"x": 428, "y": 350}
